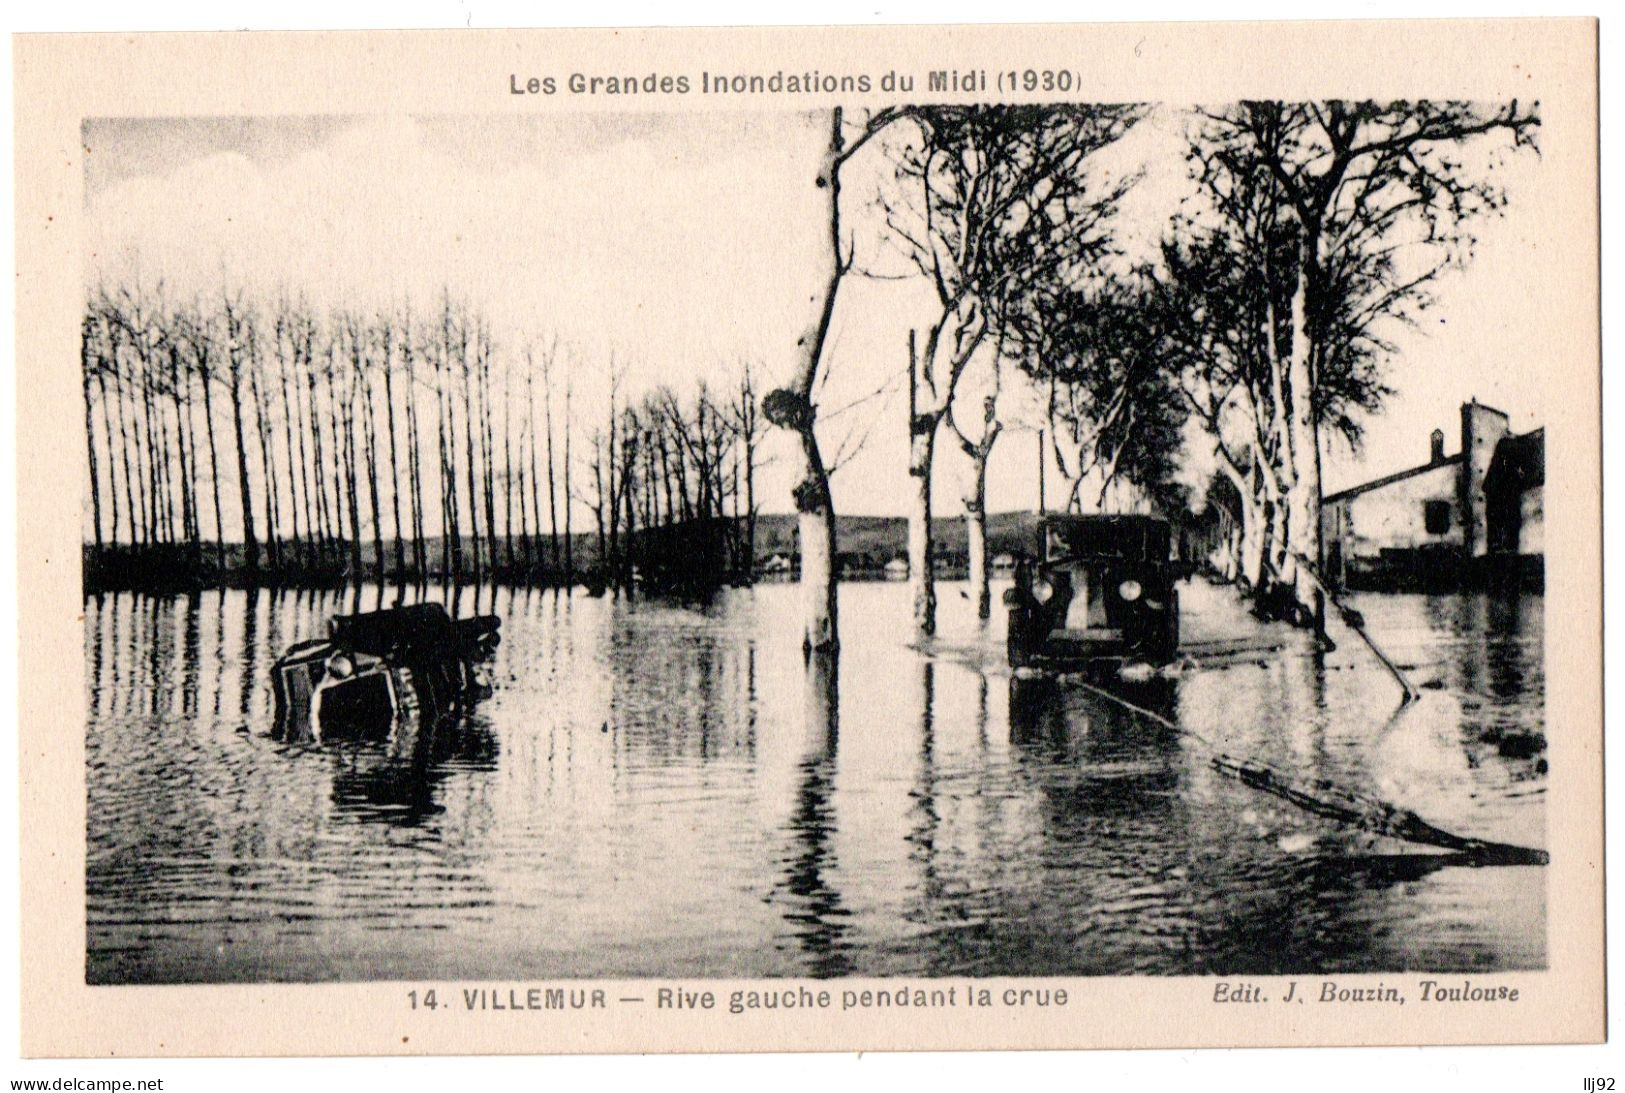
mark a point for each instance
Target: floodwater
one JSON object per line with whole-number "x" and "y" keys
{"x": 656, "y": 790}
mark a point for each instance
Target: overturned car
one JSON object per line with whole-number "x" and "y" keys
{"x": 381, "y": 669}
{"x": 1097, "y": 587}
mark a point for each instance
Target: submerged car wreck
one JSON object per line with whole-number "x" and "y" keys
{"x": 381, "y": 669}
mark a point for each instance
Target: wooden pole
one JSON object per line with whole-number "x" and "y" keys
{"x": 1041, "y": 508}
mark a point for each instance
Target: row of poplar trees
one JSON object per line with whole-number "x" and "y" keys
{"x": 230, "y": 439}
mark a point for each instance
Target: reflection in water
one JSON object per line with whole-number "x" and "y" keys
{"x": 397, "y": 782}
{"x": 671, "y": 790}
{"x": 814, "y": 913}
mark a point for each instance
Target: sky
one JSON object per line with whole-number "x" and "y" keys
{"x": 681, "y": 245}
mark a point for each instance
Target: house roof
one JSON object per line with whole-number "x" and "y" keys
{"x": 1388, "y": 480}
{"x": 1521, "y": 460}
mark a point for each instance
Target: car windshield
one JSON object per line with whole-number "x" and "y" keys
{"x": 1137, "y": 538}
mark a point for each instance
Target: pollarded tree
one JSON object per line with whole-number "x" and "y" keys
{"x": 793, "y": 406}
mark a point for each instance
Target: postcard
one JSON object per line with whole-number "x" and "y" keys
{"x": 810, "y": 538}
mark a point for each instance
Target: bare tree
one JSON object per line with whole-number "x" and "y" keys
{"x": 238, "y": 322}
{"x": 386, "y": 337}
{"x": 414, "y": 463}
{"x": 91, "y": 364}
{"x": 262, "y": 430}
{"x": 450, "y": 528}
{"x": 748, "y": 425}
{"x": 287, "y": 355}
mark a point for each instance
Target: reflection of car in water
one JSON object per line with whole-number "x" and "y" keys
{"x": 1099, "y": 587}
{"x": 377, "y": 671}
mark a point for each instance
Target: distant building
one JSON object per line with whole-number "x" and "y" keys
{"x": 778, "y": 563}
{"x": 1472, "y": 517}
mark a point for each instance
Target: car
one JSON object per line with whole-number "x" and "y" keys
{"x": 378, "y": 670}
{"x": 1098, "y": 587}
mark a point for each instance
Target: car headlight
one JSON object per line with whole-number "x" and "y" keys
{"x": 1043, "y": 590}
{"x": 340, "y": 666}
{"x": 1129, "y": 590}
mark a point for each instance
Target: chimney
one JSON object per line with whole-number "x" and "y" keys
{"x": 1482, "y": 428}
{"x": 1437, "y": 454}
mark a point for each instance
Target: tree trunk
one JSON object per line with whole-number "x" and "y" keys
{"x": 295, "y": 470}
{"x": 569, "y": 505}
{"x": 214, "y": 472}
{"x": 318, "y": 467}
{"x": 394, "y": 461}
{"x": 612, "y": 499}
{"x": 976, "y": 554}
{"x": 815, "y": 525}
{"x": 472, "y": 472}
{"x": 369, "y": 423}
{"x": 1248, "y": 545}
{"x": 1273, "y": 571}
{"x": 666, "y": 476}
{"x": 166, "y": 473}
{"x": 450, "y": 529}
{"x": 153, "y": 496}
{"x": 1303, "y": 491}
{"x": 414, "y": 471}
{"x": 552, "y": 486}
{"x": 124, "y": 455}
{"x": 750, "y": 497}
{"x": 629, "y": 498}
{"x": 508, "y": 472}
{"x": 338, "y": 433}
{"x": 86, "y": 357}
{"x": 487, "y": 446}
{"x": 347, "y": 471}
{"x": 598, "y": 505}
{"x": 251, "y": 545}
{"x": 180, "y": 400}
{"x": 107, "y": 431}
{"x": 138, "y": 499}
{"x": 527, "y": 443}
{"x": 793, "y": 408}
{"x": 268, "y": 475}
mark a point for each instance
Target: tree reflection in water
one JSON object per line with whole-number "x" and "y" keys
{"x": 816, "y": 914}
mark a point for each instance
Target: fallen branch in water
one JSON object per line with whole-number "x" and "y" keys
{"x": 1323, "y": 798}
{"x": 1370, "y": 814}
